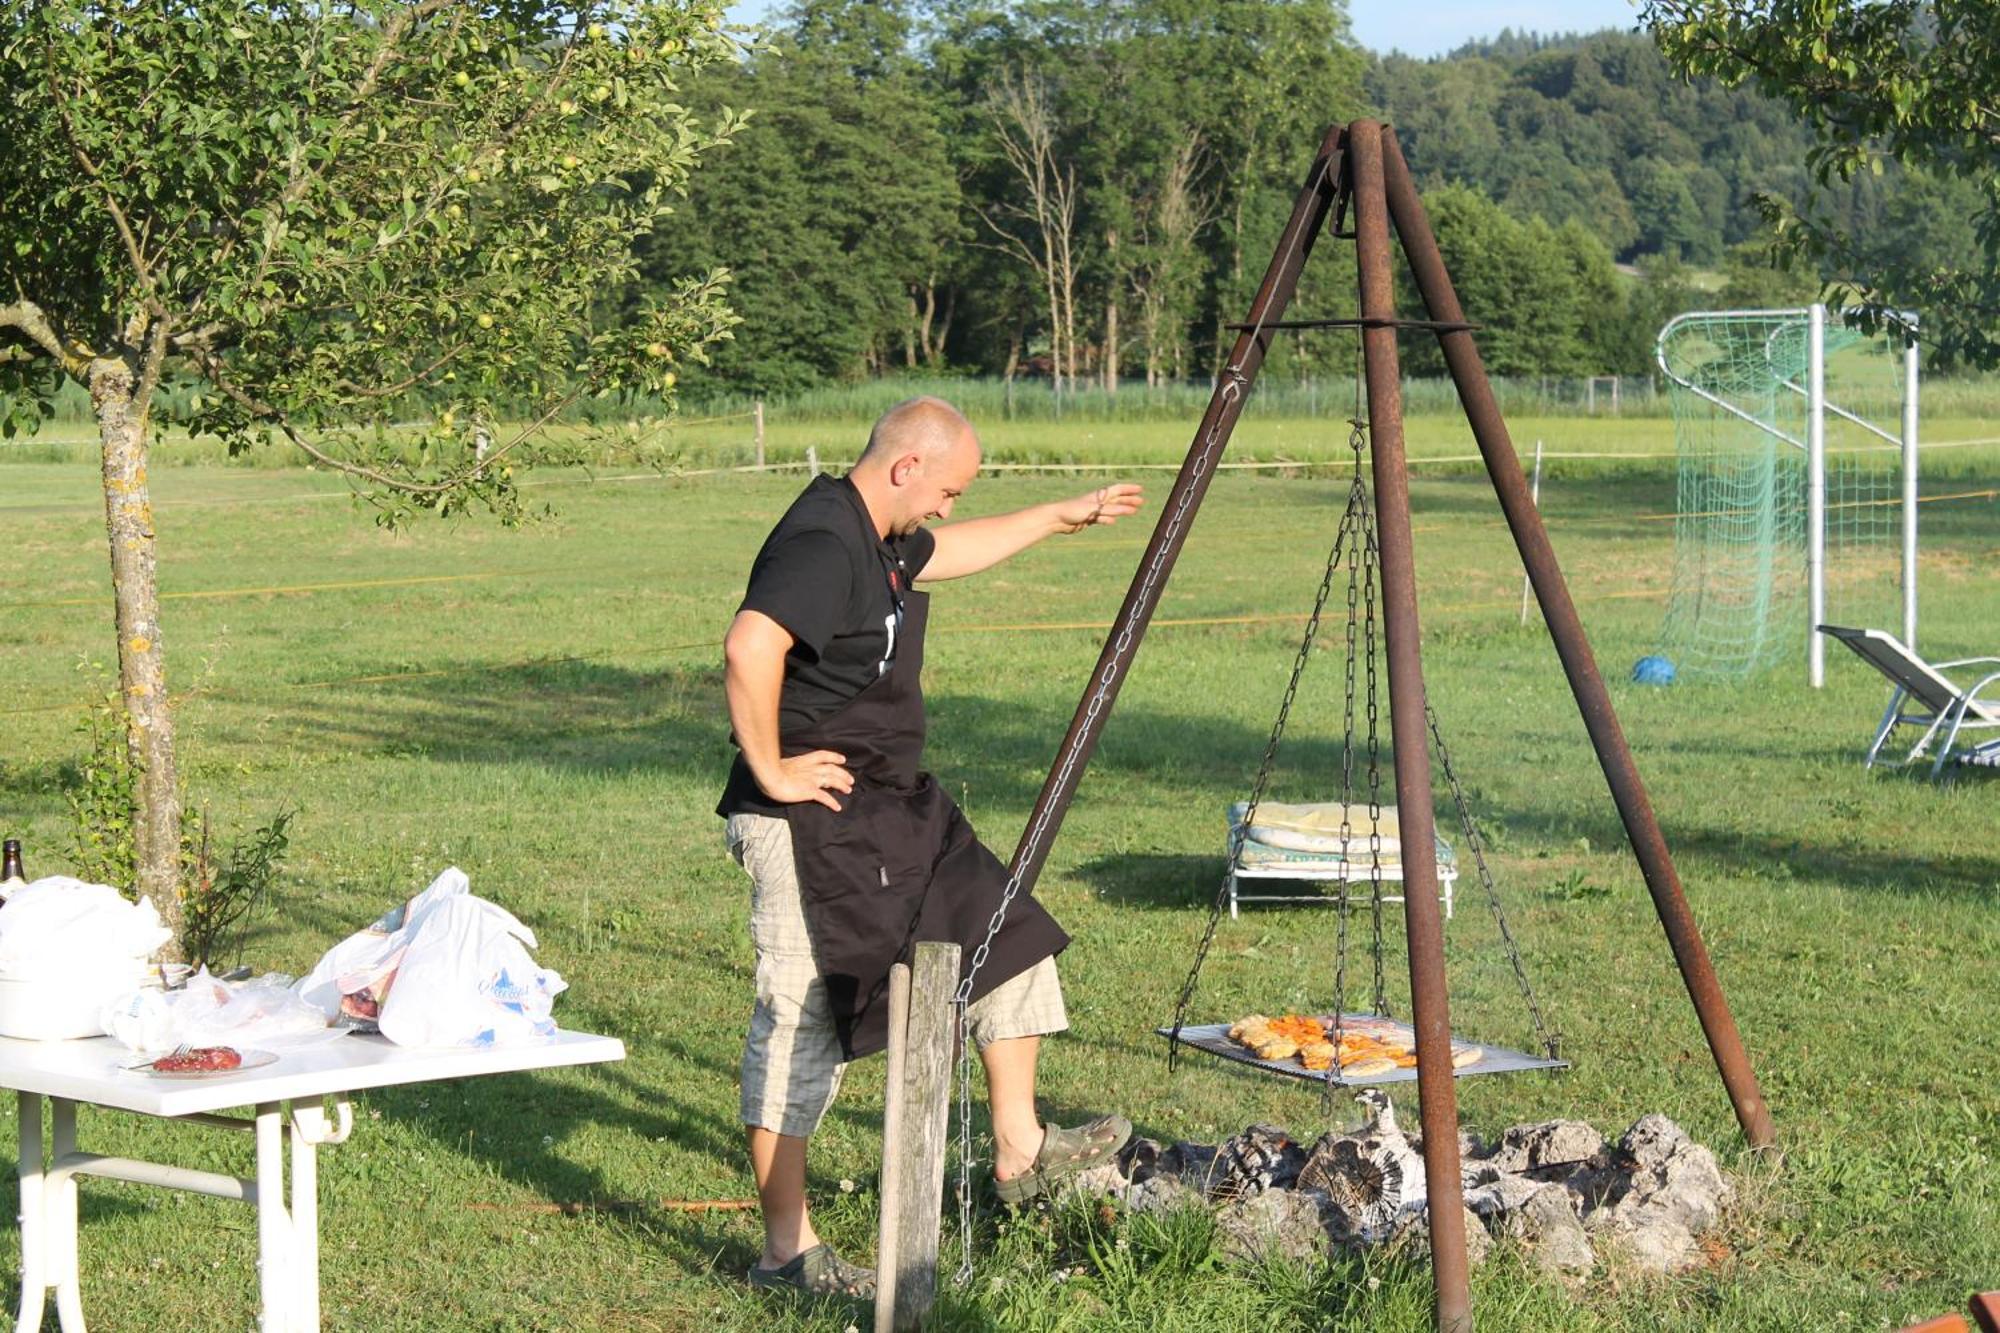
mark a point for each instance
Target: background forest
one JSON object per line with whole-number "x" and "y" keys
{"x": 1087, "y": 189}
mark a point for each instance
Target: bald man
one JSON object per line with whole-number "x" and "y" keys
{"x": 854, "y": 853}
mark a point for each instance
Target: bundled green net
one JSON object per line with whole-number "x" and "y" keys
{"x": 1737, "y": 388}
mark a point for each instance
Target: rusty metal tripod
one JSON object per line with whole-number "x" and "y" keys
{"x": 1360, "y": 171}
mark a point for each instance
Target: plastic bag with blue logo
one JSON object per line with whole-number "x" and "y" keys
{"x": 467, "y": 979}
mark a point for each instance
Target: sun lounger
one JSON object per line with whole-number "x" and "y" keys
{"x": 1923, "y": 696}
{"x": 1323, "y": 844}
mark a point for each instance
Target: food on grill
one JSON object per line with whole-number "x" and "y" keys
{"x": 1320, "y": 1055}
{"x": 1250, "y": 1031}
{"x": 199, "y": 1060}
{"x": 1365, "y": 1048}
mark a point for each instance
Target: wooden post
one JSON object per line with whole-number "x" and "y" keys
{"x": 812, "y": 459}
{"x": 1534, "y": 493}
{"x": 757, "y": 413}
{"x": 893, "y": 1104}
{"x": 914, "y": 1159}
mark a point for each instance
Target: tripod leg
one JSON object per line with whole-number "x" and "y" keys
{"x": 1437, "y": 1095}
{"x": 1649, "y": 845}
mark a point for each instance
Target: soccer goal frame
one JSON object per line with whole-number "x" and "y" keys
{"x": 1817, "y": 407}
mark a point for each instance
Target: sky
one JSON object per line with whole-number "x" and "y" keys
{"x": 1429, "y": 28}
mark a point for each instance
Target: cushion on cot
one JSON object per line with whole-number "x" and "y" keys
{"x": 1317, "y": 827}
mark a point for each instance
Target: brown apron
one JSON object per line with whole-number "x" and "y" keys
{"x": 898, "y": 862}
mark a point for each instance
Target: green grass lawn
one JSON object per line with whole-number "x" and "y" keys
{"x": 543, "y": 708}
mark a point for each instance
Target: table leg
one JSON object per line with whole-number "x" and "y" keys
{"x": 274, "y": 1225}
{"x": 308, "y": 1128}
{"x": 61, "y": 1268}
{"x": 34, "y": 1223}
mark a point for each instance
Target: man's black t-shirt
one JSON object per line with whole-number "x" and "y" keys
{"x": 838, "y": 590}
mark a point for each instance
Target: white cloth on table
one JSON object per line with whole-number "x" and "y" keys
{"x": 58, "y": 923}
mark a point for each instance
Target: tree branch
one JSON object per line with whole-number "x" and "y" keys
{"x": 133, "y": 250}
{"x": 273, "y": 416}
{"x": 386, "y": 390}
{"x": 33, "y": 324}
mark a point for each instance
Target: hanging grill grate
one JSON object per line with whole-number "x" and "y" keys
{"x": 1355, "y": 555}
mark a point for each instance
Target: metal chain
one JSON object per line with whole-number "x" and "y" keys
{"x": 1257, "y": 790}
{"x": 1234, "y": 382}
{"x": 1350, "y": 520}
{"x": 1551, "y": 1041}
{"x": 1230, "y": 391}
{"x": 1371, "y": 559}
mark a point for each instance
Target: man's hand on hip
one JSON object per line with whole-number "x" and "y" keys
{"x": 813, "y": 776}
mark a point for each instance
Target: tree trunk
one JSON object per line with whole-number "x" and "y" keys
{"x": 910, "y": 334}
{"x": 944, "y": 325}
{"x": 1111, "y": 345}
{"x": 142, "y": 662}
{"x": 926, "y": 315}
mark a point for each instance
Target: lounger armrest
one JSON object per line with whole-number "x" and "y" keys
{"x": 1967, "y": 661}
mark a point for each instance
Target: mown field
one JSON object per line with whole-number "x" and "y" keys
{"x": 543, "y": 708}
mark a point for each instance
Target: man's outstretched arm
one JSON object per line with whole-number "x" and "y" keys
{"x": 980, "y": 543}
{"x": 753, "y": 654}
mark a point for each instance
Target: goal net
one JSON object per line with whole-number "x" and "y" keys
{"x": 1790, "y": 432}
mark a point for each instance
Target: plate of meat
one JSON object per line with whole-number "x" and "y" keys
{"x": 205, "y": 1062}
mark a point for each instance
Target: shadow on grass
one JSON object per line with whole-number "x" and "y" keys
{"x": 592, "y": 717}
{"x": 1175, "y": 881}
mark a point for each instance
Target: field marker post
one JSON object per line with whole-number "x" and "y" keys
{"x": 758, "y": 413}
{"x": 1535, "y": 494}
{"x": 812, "y": 459}
{"x": 913, "y": 1160}
{"x": 892, "y": 1137}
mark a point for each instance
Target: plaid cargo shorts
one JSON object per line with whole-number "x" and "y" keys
{"x": 792, "y": 1060}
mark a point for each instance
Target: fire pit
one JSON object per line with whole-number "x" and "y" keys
{"x": 1569, "y": 1195}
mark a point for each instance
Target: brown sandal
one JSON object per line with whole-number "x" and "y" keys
{"x": 1066, "y": 1153}
{"x": 817, "y": 1272}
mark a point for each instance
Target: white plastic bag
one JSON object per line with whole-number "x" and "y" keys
{"x": 467, "y": 979}
{"x": 263, "y": 1012}
{"x": 364, "y": 964}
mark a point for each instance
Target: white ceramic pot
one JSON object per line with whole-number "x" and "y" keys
{"x": 44, "y": 1005}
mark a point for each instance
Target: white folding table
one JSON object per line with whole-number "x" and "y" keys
{"x": 93, "y": 1071}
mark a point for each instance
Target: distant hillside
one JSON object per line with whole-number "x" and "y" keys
{"x": 1595, "y": 129}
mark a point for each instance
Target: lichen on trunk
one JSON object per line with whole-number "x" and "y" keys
{"x": 142, "y": 665}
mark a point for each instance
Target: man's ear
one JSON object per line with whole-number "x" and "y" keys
{"x": 904, "y": 468}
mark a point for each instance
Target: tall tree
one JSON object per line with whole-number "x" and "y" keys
{"x": 1166, "y": 269}
{"x": 1914, "y": 81}
{"x": 836, "y": 207}
{"x": 1036, "y": 222}
{"x": 329, "y": 218}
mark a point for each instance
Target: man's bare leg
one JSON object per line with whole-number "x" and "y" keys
{"x": 779, "y": 1163}
{"x": 1010, "y": 1090}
